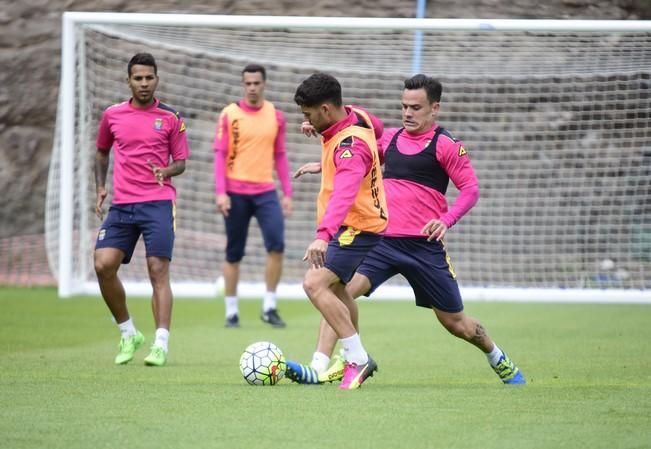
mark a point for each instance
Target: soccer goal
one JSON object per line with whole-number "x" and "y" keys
{"x": 555, "y": 116}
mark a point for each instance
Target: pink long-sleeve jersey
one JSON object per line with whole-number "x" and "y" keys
{"x": 417, "y": 194}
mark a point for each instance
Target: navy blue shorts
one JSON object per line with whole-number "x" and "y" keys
{"x": 346, "y": 251}
{"x": 125, "y": 222}
{"x": 425, "y": 265}
{"x": 269, "y": 215}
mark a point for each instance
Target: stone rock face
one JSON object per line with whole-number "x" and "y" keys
{"x": 30, "y": 61}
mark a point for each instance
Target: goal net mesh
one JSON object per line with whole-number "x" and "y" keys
{"x": 556, "y": 123}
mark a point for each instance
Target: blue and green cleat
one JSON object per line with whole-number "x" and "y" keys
{"x": 302, "y": 374}
{"x": 305, "y": 374}
{"x": 508, "y": 372}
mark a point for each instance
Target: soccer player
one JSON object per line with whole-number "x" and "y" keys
{"x": 351, "y": 213}
{"x": 249, "y": 143}
{"x": 150, "y": 146}
{"x": 419, "y": 160}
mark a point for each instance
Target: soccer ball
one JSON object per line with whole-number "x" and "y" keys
{"x": 262, "y": 363}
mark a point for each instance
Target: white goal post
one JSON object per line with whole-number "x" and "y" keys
{"x": 555, "y": 115}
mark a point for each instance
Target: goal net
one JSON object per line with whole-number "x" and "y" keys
{"x": 554, "y": 114}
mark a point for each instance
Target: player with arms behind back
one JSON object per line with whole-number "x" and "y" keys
{"x": 419, "y": 160}
{"x": 249, "y": 143}
{"x": 351, "y": 213}
{"x": 150, "y": 146}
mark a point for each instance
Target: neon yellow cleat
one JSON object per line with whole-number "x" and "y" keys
{"x": 157, "y": 357}
{"x": 335, "y": 372}
{"x": 128, "y": 347}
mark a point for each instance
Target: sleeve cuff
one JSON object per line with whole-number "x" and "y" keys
{"x": 323, "y": 235}
{"x": 447, "y": 221}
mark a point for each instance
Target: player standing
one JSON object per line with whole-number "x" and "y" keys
{"x": 150, "y": 146}
{"x": 250, "y": 142}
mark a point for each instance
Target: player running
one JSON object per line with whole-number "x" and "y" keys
{"x": 351, "y": 213}
{"x": 419, "y": 160}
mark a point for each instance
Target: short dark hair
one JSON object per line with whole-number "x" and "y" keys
{"x": 142, "y": 59}
{"x": 253, "y": 68}
{"x": 432, "y": 86}
{"x": 317, "y": 89}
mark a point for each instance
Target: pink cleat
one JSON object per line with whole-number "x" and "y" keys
{"x": 355, "y": 375}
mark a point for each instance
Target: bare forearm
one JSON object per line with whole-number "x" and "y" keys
{"x": 174, "y": 169}
{"x": 101, "y": 168}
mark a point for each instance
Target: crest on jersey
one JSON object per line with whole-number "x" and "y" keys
{"x": 158, "y": 124}
{"x": 462, "y": 151}
{"x": 346, "y": 154}
{"x": 182, "y": 126}
{"x": 346, "y": 143}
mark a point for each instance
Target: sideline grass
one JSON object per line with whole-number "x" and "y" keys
{"x": 588, "y": 367}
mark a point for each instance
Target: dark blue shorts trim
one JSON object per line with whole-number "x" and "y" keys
{"x": 126, "y": 222}
{"x": 425, "y": 265}
{"x": 346, "y": 251}
{"x": 269, "y": 215}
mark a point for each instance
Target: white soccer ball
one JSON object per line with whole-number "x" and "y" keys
{"x": 262, "y": 363}
{"x": 606, "y": 264}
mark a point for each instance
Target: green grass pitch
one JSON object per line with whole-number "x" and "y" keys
{"x": 588, "y": 369}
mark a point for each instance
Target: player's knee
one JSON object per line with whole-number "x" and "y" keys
{"x": 104, "y": 267}
{"x": 458, "y": 330}
{"x": 276, "y": 251}
{"x": 458, "y": 327}
{"x": 309, "y": 286}
{"x": 312, "y": 284}
{"x": 234, "y": 256}
{"x": 275, "y": 255}
{"x": 158, "y": 269}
